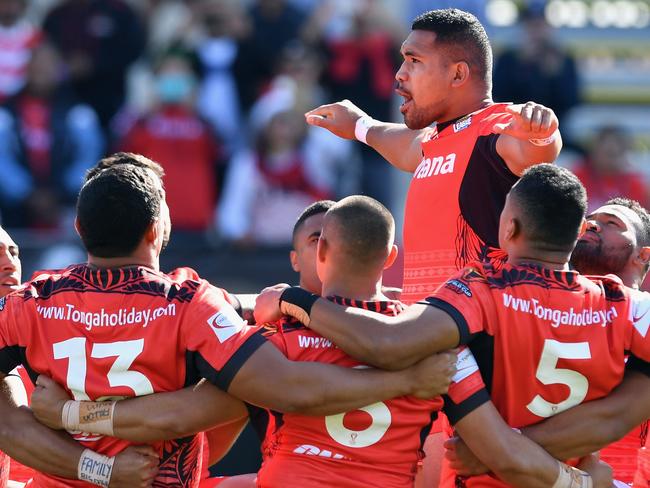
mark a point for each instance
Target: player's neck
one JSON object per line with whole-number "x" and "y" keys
{"x": 631, "y": 278}
{"x": 466, "y": 105}
{"x": 557, "y": 261}
{"x": 354, "y": 288}
{"x": 124, "y": 262}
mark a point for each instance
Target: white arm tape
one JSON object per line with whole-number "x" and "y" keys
{"x": 97, "y": 417}
{"x": 572, "y": 478}
{"x": 95, "y": 468}
{"x": 547, "y": 140}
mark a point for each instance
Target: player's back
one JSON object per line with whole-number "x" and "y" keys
{"x": 546, "y": 340}
{"x": 110, "y": 334}
{"x": 379, "y": 444}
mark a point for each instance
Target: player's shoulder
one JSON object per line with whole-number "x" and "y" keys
{"x": 611, "y": 286}
{"x": 493, "y": 114}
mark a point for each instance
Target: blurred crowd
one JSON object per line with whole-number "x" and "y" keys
{"x": 215, "y": 91}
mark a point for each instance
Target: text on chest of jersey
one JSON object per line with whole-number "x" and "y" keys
{"x": 439, "y": 165}
{"x": 102, "y": 318}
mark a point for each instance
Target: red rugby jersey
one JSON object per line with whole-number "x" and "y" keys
{"x": 377, "y": 445}
{"x": 642, "y": 475}
{"x": 116, "y": 333}
{"x": 454, "y": 200}
{"x": 544, "y": 340}
{"x": 622, "y": 455}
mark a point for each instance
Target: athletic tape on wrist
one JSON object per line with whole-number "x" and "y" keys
{"x": 547, "y": 140}
{"x": 570, "y": 477}
{"x": 297, "y": 302}
{"x": 95, "y": 468}
{"x": 94, "y": 417}
{"x": 70, "y": 415}
{"x": 362, "y": 127}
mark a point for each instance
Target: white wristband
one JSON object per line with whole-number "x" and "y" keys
{"x": 547, "y": 140}
{"x": 95, "y": 468}
{"x": 362, "y": 127}
{"x": 93, "y": 417}
{"x": 570, "y": 477}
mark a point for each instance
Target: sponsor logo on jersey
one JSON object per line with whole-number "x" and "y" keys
{"x": 458, "y": 287}
{"x": 102, "y": 318}
{"x": 640, "y": 312}
{"x": 439, "y": 165}
{"x": 225, "y": 323}
{"x": 465, "y": 365}
{"x": 3, "y": 300}
{"x": 310, "y": 450}
{"x": 557, "y": 317}
{"x": 314, "y": 342}
{"x": 463, "y": 123}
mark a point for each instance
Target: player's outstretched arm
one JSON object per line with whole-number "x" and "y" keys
{"x": 268, "y": 379}
{"x": 398, "y": 144}
{"x": 23, "y": 438}
{"x": 382, "y": 341}
{"x": 161, "y": 416}
{"x": 517, "y": 460}
{"x": 531, "y": 137}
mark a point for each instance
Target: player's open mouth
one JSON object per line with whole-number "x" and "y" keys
{"x": 10, "y": 282}
{"x": 408, "y": 100}
{"x": 590, "y": 236}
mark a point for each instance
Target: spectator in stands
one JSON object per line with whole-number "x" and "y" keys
{"x": 537, "y": 68}
{"x": 268, "y": 187}
{"x": 229, "y": 65}
{"x": 47, "y": 141}
{"x": 332, "y": 161}
{"x": 18, "y": 38}
{"x": 361, "y": 45}
{"x": 99, "y": 40}
{"x": 274, "y": 23}
{"x": 174, "y": 135}
{"x": 606, "y": 171}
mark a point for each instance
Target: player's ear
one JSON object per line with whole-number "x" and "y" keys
{"x": 293, "y": 257}
{"x": 513, "y": 229}
{"x": 77, "y": 226}
{"x": 321, "y": 249}
{"x": 644, "y": 255}
{"x": 152, "y": 232}
{"x": 461, "y": 73}
{"x": 583, "y": 228}
{"x": 392, "y": 256}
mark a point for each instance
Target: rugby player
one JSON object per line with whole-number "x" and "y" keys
{"x": 25, "y": 439}
{"x": 463, "y": 165}
{"x": 617, "y": 241}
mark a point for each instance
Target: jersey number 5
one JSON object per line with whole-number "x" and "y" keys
{"x": 74, "y": 350}
{"x": 549, "y": 374}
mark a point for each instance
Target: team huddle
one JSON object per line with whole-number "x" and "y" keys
{"x": 516, "y": 350}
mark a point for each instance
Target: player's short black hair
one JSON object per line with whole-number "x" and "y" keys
{"x": 319, "y": 207}
{"x": 115, "y": 207}
{"x": 366, "y": 228}
{"x": 553, "y": 204}
{"x": 463, "y": 38}
{"x": 643, "y": 232}
{"x": 125, "y": 158}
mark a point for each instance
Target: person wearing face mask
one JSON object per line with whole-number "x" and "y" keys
{"x": 176, "y": 136}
